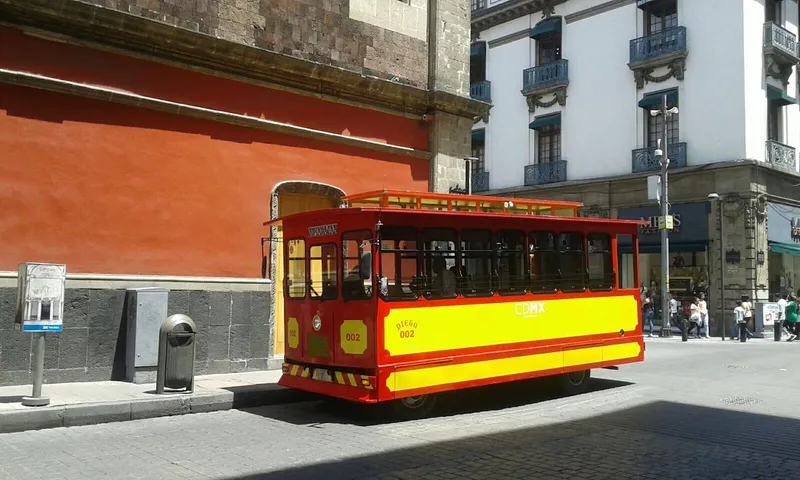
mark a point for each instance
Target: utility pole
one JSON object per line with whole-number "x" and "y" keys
{"x": 665, "y": 220}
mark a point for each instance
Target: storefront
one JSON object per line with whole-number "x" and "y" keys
{"x": 688, "y": 248}
{"x": 783, "y": 236}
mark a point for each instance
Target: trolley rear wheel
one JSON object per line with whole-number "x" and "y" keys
{"x": 419, "y": 406}
{"x": 574, "y": 383}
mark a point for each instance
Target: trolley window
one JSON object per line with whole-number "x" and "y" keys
{"x": 572, "y": 262}
{"x": 439, "y": 263}
{"x": 356, "y": 258}
{"x": 511, "y": 273}
{"x": 322, "y": 271}
{"x": 543, "y": 262}
{"x": 476, "y": 262}
{"x": 296, "y": 268}
{"x": 399, "y": 254}
{"x": 601, "y": 267}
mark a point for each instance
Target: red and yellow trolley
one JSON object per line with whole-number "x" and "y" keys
{"x": 402, "y": 295}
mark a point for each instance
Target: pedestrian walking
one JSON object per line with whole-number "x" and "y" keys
{"x": 694, "y": 317}
{"x": 738, "y": 315}
{"x": 782, "y": 303}
{"x": 747, "y": 307}
{"x": 673, "y": 311}
{"x": 791, "y": 317}
{"x": 648, "y": 314}
{"x": 703, "y": 306}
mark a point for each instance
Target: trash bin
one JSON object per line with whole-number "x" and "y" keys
{"x": 176, "y": 347}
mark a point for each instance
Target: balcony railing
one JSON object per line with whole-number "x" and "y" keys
{"x": 781, "y": 156}
{"x": 670, "y": 42}
{"x": 544, "y": 173}
{"x": 480, "y": 181}
{"x": 481, "y": 91}
{"x": 645, "y": 159}
{"x": 781, "y": 41}
{"x": 545, "y": 76}
{"x": 478, "y": 5}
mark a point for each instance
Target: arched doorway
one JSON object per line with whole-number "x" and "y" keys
{"x": 288, "y": 198}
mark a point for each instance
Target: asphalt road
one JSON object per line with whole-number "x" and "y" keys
{"x": 700, "y": 410}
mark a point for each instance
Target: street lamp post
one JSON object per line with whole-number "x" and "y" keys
{"x": 718, "y": 198}
{"x": 666, "y": 327}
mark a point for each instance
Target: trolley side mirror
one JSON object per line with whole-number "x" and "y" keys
{"x": 364, "y": 263}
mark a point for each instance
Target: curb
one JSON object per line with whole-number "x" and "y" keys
{"x": 39, "y": 418}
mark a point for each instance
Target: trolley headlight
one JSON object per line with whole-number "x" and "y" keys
{"x": 316, "y": 323}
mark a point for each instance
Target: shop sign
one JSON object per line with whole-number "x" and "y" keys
{"x": 653, "y": 224}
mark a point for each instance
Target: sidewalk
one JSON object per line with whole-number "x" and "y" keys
{"x": 88, "y": 403}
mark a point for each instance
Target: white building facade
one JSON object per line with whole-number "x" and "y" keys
{"x": 578, "y": 90}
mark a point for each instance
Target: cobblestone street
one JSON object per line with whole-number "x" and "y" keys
{"x": 704, "y": 410}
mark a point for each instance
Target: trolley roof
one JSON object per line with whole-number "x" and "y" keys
{"x": 404, "y": 199}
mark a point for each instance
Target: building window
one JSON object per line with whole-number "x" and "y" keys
{"x": 772, "y": 11}
{"x": 548, "y": 49}
{"x": 655, "y": 128}
{"x": 478, "y": 5}
{"x": 549, "y": 144}
{"x": 773, "y": 122}
{"x": 477, "y": 68}
{"x": 660, "y": 15}
{"x": 478, "y": 152}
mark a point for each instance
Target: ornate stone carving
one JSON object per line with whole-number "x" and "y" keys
{"x": 777, "y": 69}
{"x": 535, "y": 99}
{"x": 675, "y": 68}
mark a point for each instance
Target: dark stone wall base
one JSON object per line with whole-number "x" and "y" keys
{"x": 234, "y": 334}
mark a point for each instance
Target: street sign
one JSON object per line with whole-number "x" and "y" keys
{"x": 665, "y": 223}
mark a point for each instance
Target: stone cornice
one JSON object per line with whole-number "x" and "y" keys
{"x": 507, "y": 11}
{"x": 90, "y": 25}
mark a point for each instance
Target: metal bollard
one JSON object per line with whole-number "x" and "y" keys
{"x": 684, "y": 331}
{"x": 778, "y": 328}
{"x": 743, "y": 332}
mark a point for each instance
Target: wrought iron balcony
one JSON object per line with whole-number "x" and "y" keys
{"x": 780, "y": 51}
{"x": 545, "y": 76}
{"x": 645, "y": 159}
{"x": 781, "y": 156}
{"x": 667, "y": 44}
{"x": 481, "y": 91}
{"x": 480, "y": 181}
{"x": 544, "y": 173}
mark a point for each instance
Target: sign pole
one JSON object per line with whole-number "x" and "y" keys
{"x": 36, "y": 399}
{"x": 666, "y": 328}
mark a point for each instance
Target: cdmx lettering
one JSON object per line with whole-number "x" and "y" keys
{"x": 529, "y": 309}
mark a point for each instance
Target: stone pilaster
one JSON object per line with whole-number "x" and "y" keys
{"x": 448, "y": 71}
{"x": 450, "y": 144}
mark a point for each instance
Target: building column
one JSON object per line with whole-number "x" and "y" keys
{"x": 448, "y": 71}
{"x": 743, "y": 236}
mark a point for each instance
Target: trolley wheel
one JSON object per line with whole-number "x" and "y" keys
{"x": 574, "y": 383}
{"x": 416, "y": 407}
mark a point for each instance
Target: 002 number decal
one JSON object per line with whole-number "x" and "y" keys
{"x": 406, "y": 328}
{"x": 353, "y": 337}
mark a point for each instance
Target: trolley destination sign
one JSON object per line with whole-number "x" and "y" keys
{"x": 323, "y": 230}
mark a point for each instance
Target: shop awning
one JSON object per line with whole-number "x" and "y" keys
{"x": 479, "y": 136}
{"x": 779, "y": 96}
{"x": 546, "y": 27}
{"x": 545, "y": 121}
{"x": 785, "y": 248}
{"x": 657, "y": 99}
{"x": 673, "y": 247}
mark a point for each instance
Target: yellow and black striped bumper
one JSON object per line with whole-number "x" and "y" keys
{"x": 330, "y": 376}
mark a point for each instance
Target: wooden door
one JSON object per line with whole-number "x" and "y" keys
{"x": 289, "y": 203}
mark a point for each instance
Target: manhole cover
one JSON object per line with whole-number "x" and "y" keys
{"x": 735, "y": 366}
{"x": 742, "y": 401}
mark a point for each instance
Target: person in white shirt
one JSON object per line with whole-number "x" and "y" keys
{"x": 673, "y": 311}
{"x": 782, "y": 315}
{"x": 703, "y": 307}
{"x": 694, "y": 318}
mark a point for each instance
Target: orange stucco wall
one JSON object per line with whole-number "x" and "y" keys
{"x": 107, "y": 188}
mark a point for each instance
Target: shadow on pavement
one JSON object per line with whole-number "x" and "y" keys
{"x": 658, "y": 440}
{"x": 481, "y": 399}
